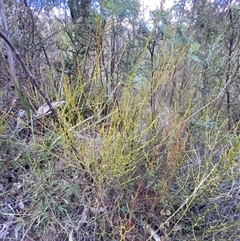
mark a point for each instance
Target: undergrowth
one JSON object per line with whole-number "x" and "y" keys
{"x": 126, "y": 166}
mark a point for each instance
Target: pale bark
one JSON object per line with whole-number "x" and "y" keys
{"x": 7, "y": 47}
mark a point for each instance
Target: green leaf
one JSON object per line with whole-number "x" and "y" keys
{"x": 202, "y": 124}
{"x": 195, "y": 58}
{"x": 194, "y": 47}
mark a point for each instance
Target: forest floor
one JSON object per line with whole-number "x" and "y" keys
{"x": 50, "y": 191}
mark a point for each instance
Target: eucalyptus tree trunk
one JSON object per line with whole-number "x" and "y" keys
{"x": 7, "y": 48}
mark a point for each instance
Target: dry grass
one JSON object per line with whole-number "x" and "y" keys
{"x": 129, "y": 167}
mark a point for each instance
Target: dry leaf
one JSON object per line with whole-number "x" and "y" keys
{"x": 44, "y": 109}
{"x": 5, "y": 228}
{"x": 16, "y": 230}
{"x": 70, "y": 237}
{"x": 166, "y": 212}
{"x": 167, "y": 224}
{"x": 83, "y": 217}
{"x": 153, "y": 233}
{"x": 177, "y": 228}
{"x": 21, "y": 205}
{"x": 60, "y": 164}
{"x": 97, "y": 210}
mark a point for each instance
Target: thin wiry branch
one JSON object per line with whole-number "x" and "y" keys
{"x": 35, "y": 81}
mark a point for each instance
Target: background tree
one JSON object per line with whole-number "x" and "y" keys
{"x": 9, "y": 55}
{"x": 147, "y": 112}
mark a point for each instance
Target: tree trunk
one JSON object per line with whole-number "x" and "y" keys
{"x": 7, "y": 48}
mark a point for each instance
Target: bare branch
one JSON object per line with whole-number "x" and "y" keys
{"x": 34, "y": 80}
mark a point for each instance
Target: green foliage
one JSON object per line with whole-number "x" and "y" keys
{"x": 121, "y": 9}
{"x": 146, "y": 140}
